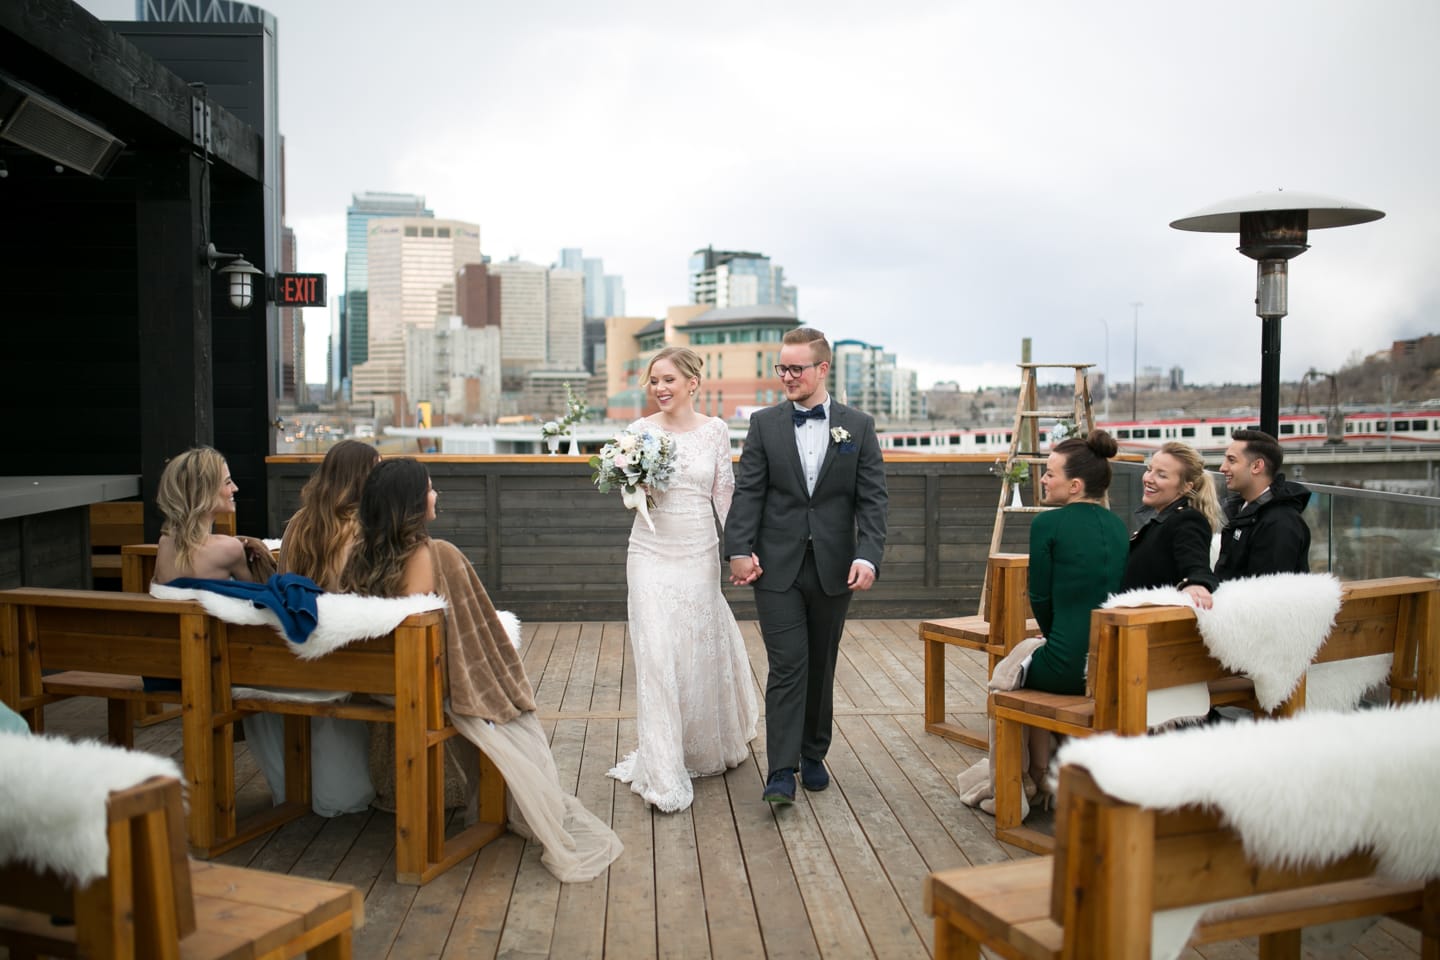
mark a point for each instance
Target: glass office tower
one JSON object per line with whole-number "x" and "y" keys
{"x": 353, "y": 348}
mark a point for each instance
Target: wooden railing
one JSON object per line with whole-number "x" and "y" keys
{"x": 549, "y": 547}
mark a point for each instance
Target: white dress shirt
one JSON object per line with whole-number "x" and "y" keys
{"x": 811, "y": 439}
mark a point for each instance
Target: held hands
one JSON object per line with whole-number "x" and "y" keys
{"x": 745, "y": 570}
{"x": 861, "y": 577}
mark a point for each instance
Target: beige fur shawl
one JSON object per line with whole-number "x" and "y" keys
{"x": 487, "y": 679}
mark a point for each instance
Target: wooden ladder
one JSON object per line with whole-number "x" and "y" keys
{"x": 1025, "y": 446}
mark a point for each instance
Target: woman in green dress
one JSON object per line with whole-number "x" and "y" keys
{"x": 1077, "y": 559}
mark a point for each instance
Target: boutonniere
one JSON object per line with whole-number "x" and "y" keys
{"x": 839, "y": 434}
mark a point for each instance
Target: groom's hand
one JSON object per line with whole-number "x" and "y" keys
{"x": 861, "y": 577}
{"x": 744, "y": 570}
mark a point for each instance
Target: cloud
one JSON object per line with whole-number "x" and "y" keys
{"x": 943, "y": 178}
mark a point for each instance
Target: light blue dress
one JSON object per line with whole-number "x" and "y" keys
{"x": 339, "y": 761}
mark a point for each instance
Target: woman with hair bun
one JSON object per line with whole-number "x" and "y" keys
{"x": 1077, "y": 559}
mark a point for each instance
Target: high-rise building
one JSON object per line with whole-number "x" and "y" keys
{"x": 199, "y": 11}
{"x": 614, "y": 296}
{"x": 412, "y": 264}
{"x": 564, "y": 320}
{"x": 354, "y": 346}
{"x": 736, "y": 278}
{"x": 542, "y": 319}
{"x": 456, "y": 368}
{"x": 604, "y": 292}
{"x": 291, "y": 386}
{"x": 522, "y": 319}
{"x": 864, "y": 375}
{"x": 477, "y": 296}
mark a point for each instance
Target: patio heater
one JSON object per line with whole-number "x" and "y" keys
{"x": 1273, "y": 229}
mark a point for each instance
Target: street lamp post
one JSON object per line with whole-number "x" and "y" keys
{"x": 1135, "y": 366}
{"x": 1106, "y": 325}
{"x": 1273, "y": 230}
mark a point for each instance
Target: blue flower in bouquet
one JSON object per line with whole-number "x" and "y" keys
{"x": 641, "y": 463}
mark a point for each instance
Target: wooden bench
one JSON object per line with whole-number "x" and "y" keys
{"x": 100, "y": 640}
{"x": 1116, "y": 863}
{"x": 153, "y": 902}
{"x": 406, "y": 665}
{"x": 1134, "y": 651}
{"x": 1006, "y": 622}
{"x": 112, "y": 525}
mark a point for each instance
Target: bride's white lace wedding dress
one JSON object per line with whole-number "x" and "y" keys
{"x": 696, "y": 695}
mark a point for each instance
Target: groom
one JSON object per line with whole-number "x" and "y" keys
{"x": 810, "y": 477}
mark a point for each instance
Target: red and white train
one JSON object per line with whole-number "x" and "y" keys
{"x": 1409, "y": 428}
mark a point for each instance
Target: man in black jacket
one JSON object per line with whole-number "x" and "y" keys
{"x": 1266, "y": 532}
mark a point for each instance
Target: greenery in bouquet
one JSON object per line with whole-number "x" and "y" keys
{"x": 640, "y": 463}
{"x": 550, "y": 428}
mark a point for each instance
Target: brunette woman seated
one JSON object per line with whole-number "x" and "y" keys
{"x": 317, "y": 544}
{"x": 490, "y": 698}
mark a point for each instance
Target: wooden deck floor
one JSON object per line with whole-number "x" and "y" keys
{"x": 837, "y": 875}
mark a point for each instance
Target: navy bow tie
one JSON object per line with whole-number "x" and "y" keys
{"x": 814, "y": 413}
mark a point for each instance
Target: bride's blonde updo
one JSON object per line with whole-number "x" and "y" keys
{"x": 686, "y": 361}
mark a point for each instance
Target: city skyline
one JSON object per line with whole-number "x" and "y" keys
{"x": 942, "y": 181}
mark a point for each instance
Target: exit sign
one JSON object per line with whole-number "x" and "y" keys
{"x": 300, "y": 289}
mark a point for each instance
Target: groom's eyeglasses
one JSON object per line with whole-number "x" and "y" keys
{"x": 783, "y": 370}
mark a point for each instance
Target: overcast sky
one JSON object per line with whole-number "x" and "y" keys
{"x": 942, "y": 178}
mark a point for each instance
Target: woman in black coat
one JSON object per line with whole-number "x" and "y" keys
{"x": 1182, "y": 513}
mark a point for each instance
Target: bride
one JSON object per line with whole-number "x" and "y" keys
{"x": 697, "y": 704}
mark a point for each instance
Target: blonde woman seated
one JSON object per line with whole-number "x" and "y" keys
{"x": 194, "y": 487}
{"x": 490, "y": 698}
{"x": 317, "y": 545}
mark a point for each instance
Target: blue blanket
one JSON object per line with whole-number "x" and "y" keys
{"x": 289, "y": 596}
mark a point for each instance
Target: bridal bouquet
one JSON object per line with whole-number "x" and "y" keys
{"x": 641, "y": 463}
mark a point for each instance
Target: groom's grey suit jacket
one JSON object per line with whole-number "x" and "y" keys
{"x": 772, "y": 514}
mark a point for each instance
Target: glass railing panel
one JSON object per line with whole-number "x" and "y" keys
{"x": 1364, "y": 534}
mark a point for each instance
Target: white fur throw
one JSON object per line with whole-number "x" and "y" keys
{"x": 1340, "y": 684}
{"x": 1268, "y": 628}
{"x": 52, "y": 800}
{"x": 342, "y": 618}
{"x": 1304, "y": 791}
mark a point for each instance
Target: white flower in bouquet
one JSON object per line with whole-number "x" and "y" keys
{"x": 641, "y": 464}
{"x": 1063, "y": 430}
{"x": 550, "y": 428}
